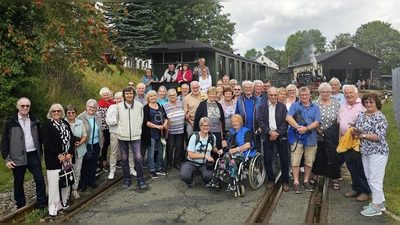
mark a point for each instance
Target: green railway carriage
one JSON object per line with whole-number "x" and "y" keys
{"x": 220, "y": 62}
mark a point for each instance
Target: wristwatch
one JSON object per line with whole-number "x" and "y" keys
{"x": 363, "y": 136}
{"x": 238, "y": 149}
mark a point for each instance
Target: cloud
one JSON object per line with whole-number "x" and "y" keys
{"x": 259, "y": 24}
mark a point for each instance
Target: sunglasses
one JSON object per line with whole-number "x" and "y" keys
{"x": 25, "y": 106}
{"x": 236, "y": 89}
{"x": 55, "y": 111}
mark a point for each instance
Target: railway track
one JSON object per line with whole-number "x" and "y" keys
{"x": 317, "y": 208}
{"x": 21, "y": 214}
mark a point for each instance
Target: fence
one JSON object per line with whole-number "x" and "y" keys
{"x": 396, "y": 94}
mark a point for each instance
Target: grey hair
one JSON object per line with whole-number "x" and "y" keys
{"x": 184, "y": 85}
{"x": 91, "y": 101}
{"x": 58, "y": 105}
{"x": 172, "y": 90}
{"x": 71, "y": 107}
{"x": 233, "y": 81}
{"x": 324, "y": 85}
{"x": 104, "y": 90}
{"x": 162, "y": 87}
{"x": 257, "y": 82}
{"x": 350, "y": 85}
{"x": 23, "y": 98}
{"x": 118, "y": 94}
{"x": 335, "y": 80}
{"x": 202, "y": 59}
{"x": 304, "y": 89}
{"x": 204, "y": 120}
{"x": 248, "y": 82}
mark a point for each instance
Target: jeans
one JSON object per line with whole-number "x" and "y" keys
{"x": 155, "y": 143}
{"x": 88, "y": 171}
{"x": 359, "y": 180}
{"x": 269, "y": 154}
{"x": 137, "y": 158}
{"x": 35, "y": 167}
{"x": 174, "y": 141}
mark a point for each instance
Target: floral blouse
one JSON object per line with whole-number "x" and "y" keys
{"x": 328, "y": 115}
{"x": 373, "y": 124}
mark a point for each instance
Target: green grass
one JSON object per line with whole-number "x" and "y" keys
{"x": 391, "y": 183}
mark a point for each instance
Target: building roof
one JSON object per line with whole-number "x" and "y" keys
{"x": 326, "y": 55}
{"x": 191, "y": 45}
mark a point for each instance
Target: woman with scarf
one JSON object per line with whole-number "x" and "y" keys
{"x": 58, "y": 151}
{"x": 102, "y": 107}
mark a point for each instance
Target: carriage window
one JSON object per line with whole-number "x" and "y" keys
{"x": 189, "y": 56}
{"x": 243, "y": 71}
{"x": 253, "y": 75}
{"x": 231, "y": 68}
{"x": 172, "y": 57}
{"x": 158, "y": 58}
{"x": 248, "y": 71}
{"x": 221, "y": 66}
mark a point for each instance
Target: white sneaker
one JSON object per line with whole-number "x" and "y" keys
{"x": 75, "y": 194}
{"x": 133, "y": 172}
{"x": 111, "y": 176}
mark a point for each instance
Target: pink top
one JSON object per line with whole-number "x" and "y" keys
{"x": 348, "y": 113}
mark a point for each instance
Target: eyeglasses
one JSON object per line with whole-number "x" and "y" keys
{"x": 55, "y": 111}
{"x": 369, "y": 102}
{"x": 273, "y": 95}
{"x": 236, "y": 89}
{"x": 25, "y": 106}
{"x": 304, "y": 95}
{"x": 92, "y": 107}
{"x": 71, "y": 113}
{"x": 205, "y": 125}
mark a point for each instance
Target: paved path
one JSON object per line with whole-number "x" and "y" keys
{"x": 168, "y": 200}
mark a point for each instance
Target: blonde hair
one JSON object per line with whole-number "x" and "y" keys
{"x": 150, "y": 93}
{"x": 237, "y": 117}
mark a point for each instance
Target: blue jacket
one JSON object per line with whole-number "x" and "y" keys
{"x": 240, "y": 109}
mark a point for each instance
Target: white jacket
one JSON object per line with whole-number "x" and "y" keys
{"x": 111, "y": 118}
{"x": 130, "y": 121}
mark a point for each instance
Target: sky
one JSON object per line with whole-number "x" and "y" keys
{"x": 263, "y": 23}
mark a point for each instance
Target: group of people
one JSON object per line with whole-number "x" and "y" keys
{"x": 212, "y": 124}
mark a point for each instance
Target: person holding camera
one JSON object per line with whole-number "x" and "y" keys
{"x": 80, "y": 136}
{"x": 240, "y": 140}
{"x": 199, "y": 159}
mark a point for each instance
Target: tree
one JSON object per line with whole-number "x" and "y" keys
{"x": 277, "y": 56}
{"x": 341, "y": 40}
{"x": 301, "y": 44}
{"x": 203, "y": 21}
{"x": 252, "y": 53}
{"x": 134, "y": 29}
{"x": 380, "y": 39}
{"x": 33, "y": 33}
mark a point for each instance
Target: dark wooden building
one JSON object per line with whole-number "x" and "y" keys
{"x": 348, "y": 63}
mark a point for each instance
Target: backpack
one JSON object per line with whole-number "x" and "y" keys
{"x": 210, "y": 138}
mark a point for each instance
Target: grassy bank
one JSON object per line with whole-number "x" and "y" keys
{"x": 92, "y": 83}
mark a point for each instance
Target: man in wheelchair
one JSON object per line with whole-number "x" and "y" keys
{"x": 199, "y": 158}
{"x": 226, "y": 169}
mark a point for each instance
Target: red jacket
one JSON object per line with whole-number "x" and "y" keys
{"x": 187, "y": 76}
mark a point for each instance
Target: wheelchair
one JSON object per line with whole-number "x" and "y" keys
{"x": 251, "y": 168}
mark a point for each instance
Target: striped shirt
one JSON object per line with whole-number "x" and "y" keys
{"x": 176, "y": 117}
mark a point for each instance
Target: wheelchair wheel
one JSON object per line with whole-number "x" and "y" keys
{"x": 257, "y": 171}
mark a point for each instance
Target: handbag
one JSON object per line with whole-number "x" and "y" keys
{"x": 89, "y": 148}
{"x": 66, "y": 177}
